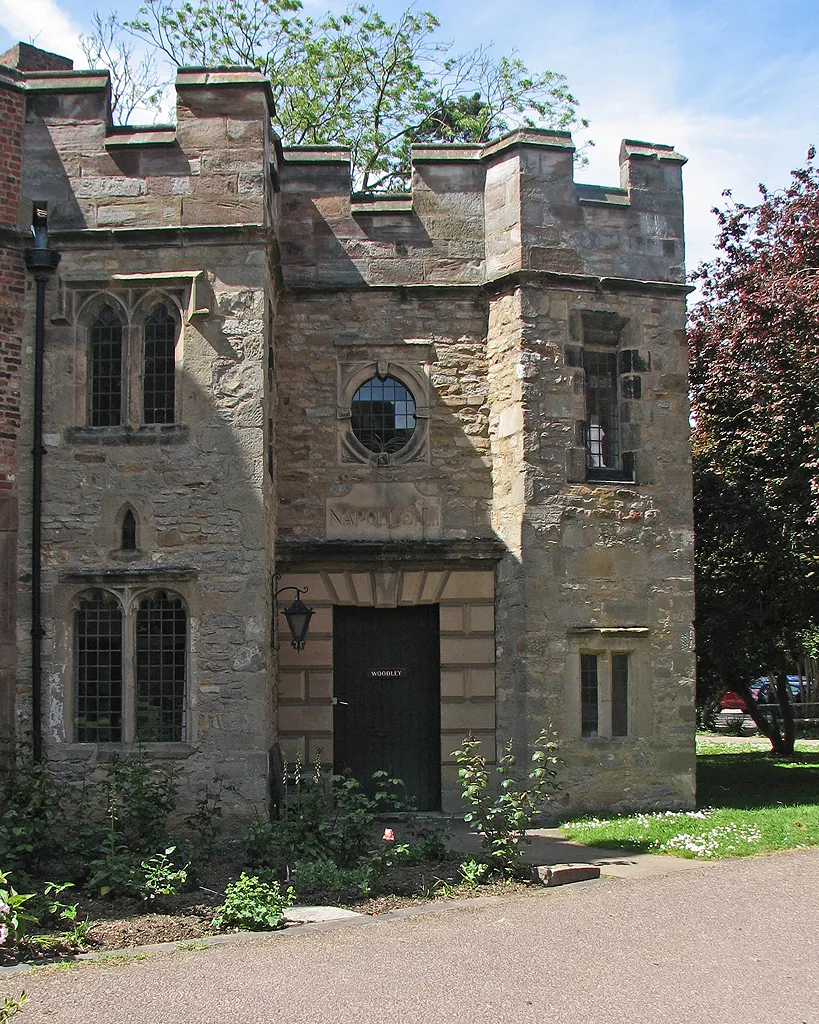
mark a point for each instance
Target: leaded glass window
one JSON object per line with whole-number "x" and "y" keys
{"x": 105, "y": 385}
{"x": 161, "y": 669}
{"x": 602, "y": 413}
{"x": 159, "y": 371}
{"x": 619, "y": 695}
{"x": 98, "y": 670}
{"x": 588, "y": 695}
{"x": 383, "y": 415}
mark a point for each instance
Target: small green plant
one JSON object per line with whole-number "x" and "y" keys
{"x": 10, "y": 1006}
{"x": 253, "y": 905}
{"x": 503, "y": 801}
{"x": 735, "y": 726}
{"x": 473, "y": 872}
{"x": 321, "y": 819}
{"x": 75, "y": 931}
{"x": 203, "y": 825}
{"x": 160, "y": 878}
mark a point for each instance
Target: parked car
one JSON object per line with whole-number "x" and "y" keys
{"x": 733, "y": 712}
{"x": 764, "y": 691}
{"x": 733, "y": 715}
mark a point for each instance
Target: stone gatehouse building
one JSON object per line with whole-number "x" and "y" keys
{"x": 457, "y": 417}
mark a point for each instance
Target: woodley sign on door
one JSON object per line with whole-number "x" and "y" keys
{"x": 386, "y": 673}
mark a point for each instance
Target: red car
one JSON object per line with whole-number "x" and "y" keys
{"x": 731, "y": 701}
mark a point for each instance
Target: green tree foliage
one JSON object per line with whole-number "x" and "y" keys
{"x": 754, "y": 342}
{"x": 352, "y": 79}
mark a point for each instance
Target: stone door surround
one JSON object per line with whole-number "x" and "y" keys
{"x": 467, "y": 611}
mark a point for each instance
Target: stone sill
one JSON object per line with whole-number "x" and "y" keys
{"x": 607, "y": 631}
{"x": 109, "y": 751}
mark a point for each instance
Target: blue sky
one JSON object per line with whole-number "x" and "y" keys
{"x": 733, "y": 85}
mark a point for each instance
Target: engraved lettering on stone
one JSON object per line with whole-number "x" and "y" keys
{"x": 384, "y": 511}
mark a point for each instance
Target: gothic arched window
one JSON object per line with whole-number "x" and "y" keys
{"x": 158, "y": 382}
{"x": 105, "y": 378}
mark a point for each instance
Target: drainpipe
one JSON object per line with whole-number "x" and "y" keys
{"x": 41, "y": 262}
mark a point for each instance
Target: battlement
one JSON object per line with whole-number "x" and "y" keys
{"x": 475, "y": 214}
{"x": 478, "y": 213}
{"x": 211, "y": 169}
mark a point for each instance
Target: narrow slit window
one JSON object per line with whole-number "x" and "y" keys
{"x": 588, "y": 695}
{"x": 161, "y": 669}
{"x": 159, "y": 381}
{"x": 98, "y": 671}
{"x": 129, "y": 532}
{"x": 619, "y": 695}
{"x": 105, "y": 393}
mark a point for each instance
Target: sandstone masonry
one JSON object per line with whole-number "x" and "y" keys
{"x": 470, "y": 399}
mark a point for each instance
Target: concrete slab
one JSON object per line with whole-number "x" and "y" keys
{"x": 311, "y": 915}
{"x": 550, "y": 847}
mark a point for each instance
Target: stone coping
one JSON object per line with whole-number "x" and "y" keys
{"x": 380, "y": 204}
{"x": 316, "y": 155}
{"x": 608, "y": 630}
{"x": 633, "y": 148}
{"x": 66, "y": 81}
{"x": 156, "y": 135}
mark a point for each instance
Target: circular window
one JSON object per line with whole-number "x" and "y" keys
{"x": 383, "y": 415}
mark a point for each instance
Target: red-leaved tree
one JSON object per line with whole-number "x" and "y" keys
{"x": 754, "y": 343}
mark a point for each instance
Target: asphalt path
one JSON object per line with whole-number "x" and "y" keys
{"x": 733, "y": 942}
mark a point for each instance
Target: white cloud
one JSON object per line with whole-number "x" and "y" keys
{"x": 42, "y": 23}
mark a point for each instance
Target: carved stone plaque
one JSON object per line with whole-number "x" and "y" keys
{"x": 384, "y": 512}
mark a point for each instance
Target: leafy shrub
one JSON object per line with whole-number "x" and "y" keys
{"x": 13, "y": 919}
{"x": 203, "y": 826}
{"x": 322, "y": 879}
{"x": 160, "y": 878}
{"x": 503, "y": 801}
{"x": 96, "y": 835}
{"x": 30, "y": 807}
{"x": 253, "y": 905}
{"x": 315, "y": 825}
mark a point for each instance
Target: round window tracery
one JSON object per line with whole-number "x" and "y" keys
{"x": 383, "y": 415}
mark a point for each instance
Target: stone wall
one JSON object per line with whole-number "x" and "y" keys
{"x": 12, "y": 286}
{"x": 597, "y": 568}
{"x": 178, "y": 218}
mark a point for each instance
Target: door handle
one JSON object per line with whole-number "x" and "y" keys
{"x": 343, "y": 703}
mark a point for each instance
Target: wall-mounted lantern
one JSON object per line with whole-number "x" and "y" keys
{"x": 298, "y": 617}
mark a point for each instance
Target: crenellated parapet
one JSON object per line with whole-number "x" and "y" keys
{"x": 476, "y": 213}
{"x": 479, "y": 213}
{"x": 212, "y": 168}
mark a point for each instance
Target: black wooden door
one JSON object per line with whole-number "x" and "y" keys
{"x": 387, "y": 685}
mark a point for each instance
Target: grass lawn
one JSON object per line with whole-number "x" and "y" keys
{"x": 748, "y": 802}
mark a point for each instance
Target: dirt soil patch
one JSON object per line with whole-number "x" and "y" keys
{"x": 125, "y": 923}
